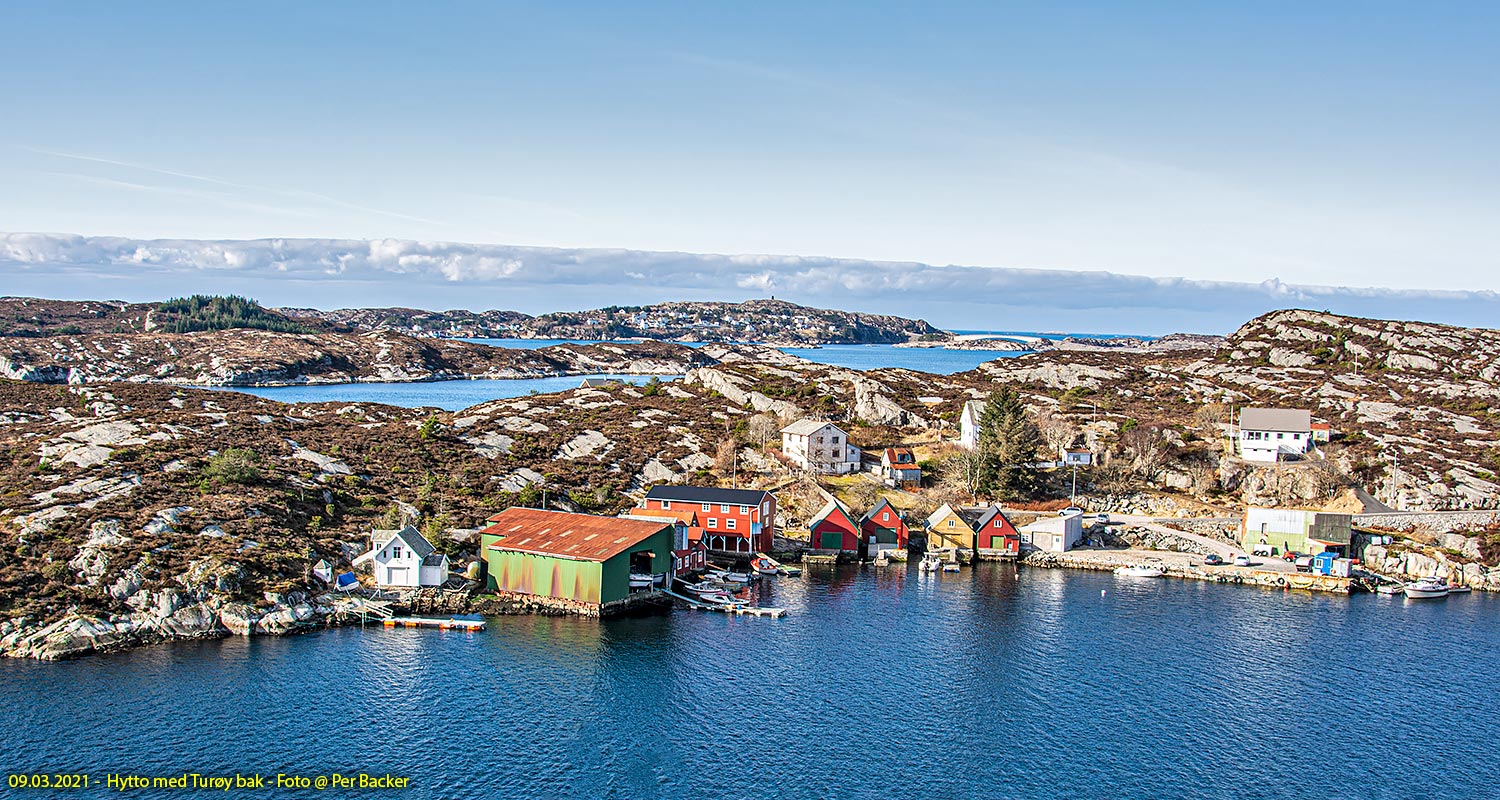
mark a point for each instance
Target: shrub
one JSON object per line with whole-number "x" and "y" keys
{"x": 233, "y": 466}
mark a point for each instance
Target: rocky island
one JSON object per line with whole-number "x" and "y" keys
{"x": 137, "y": 511}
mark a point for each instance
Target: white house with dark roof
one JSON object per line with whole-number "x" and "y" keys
{"x": 404, "y": 559}
{"x": 821, "y": 447}
{"x": 1271, "y": 434}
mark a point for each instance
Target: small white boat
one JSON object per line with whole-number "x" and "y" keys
{"x": 1427, "y": 589}
{"x": 790, "y": 571}
{"x": 722, "y": 599}
{"x": 929, "y": 564}
{"x": 950, "y": 567}
{"x": 1140, "y": 571}
{"x": 1454, "y": 588}
{"x": 765, "y": 566}
{"x": 1390, "y": 589}
{"x": 639, "y": 581}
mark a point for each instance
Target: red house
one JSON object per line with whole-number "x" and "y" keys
{"x": 731, "y": 520}
{"x": 881, "y": 528}
{"x": 992, "y": 531}
{"x": 834, "y": 528}
{"x": 689, "y": 553}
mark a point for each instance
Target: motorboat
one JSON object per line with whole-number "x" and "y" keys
{"x": 1390, "y": 589}
{"x": 722, "y": 599}
{"x": 1140, "y": 571}
{"x": 789, "y": 571}
{"x": 1427, "y": 589}
{"x": 1455, "y": 588}
{"x": 930, "y": 563}
{"x": 639, "y": 581}
{"x": 950, "y": 566}
{"x": 764, "y": 566}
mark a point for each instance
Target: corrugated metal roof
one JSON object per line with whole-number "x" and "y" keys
{"x": 686, "y": 517}
{"x": 580, "y": 537}
{"x": 803, "y": 427}
{"x": 1291, "y": 420}
{"x": 707, "y": 494}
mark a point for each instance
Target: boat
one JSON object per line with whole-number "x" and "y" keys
{"x": 722, "y": 599}
{"x": 1140, "y": 571}
{"x": 639, "y": 581}
{"x": 1427, "y": 589}
{"x": 1390, "y": 589}
{"x": 1455, "y": 588}
{"x": 790, "y": 571}
{"x": 726, "y": 576}
{"x": 765, "y": 566}
{"x": 950, "y": 566}
{"x": 930, "y": 563}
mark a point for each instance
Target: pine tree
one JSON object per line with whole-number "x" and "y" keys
{"x": 1008, "y": 443}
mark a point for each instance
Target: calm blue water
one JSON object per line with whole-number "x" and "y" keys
{"x": 878, "y": 684}
{"x": 878, "y": 356}
{"x": 448, "y": 395}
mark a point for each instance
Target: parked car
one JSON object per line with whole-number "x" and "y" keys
{"x": 1292, "y": 555}
{"x": 1102, "y": 518}
{"x": 1070, "y": 511}
{"x": 1213, "y": 559}
{"x": 1242, "y": 561}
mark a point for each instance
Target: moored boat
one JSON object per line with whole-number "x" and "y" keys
{"x": 929, "y": 563}
{"x": 1427, "y": 589}
{"x": 1140, "y": 571}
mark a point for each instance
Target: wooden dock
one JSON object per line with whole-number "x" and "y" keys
{"x": 728, "y": 608}
{"x": 433, "y": 622}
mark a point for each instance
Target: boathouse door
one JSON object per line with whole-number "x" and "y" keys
{"x": 640, "y": 562}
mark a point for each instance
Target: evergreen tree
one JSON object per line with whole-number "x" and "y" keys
{"x": 1008, "y": 443}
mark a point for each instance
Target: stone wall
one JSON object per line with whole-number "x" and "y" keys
{"x": 1432, "y": 521}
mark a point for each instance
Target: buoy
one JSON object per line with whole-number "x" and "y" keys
{"x": 1101, "y": 592}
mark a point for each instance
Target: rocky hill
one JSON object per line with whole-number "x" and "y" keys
{"x": 135, "y": 512}
{"x": 269, "y": 358}
{"x": 1417, "y": 405}
{"x": 756, "y": 320}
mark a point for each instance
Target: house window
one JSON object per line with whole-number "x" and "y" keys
{"x": 885, "y": 516}
{"x": 744, "y": 509}
{"x": 729, "y": 523}
{"x": 997, "y": 524}
{"x": 665, "y": 504}
{"x": 950, "y": 523}
{"x": 723, "y": 508}
{"x": 706, "y": 506}
{"x": 835, "y": 440}
{"x": 1280, "y": 436}
{"x": 396, "y": 552}
{"x": 713, "y": 522}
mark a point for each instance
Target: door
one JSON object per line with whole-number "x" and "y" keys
{"x": 831, "y": 540}
{"x": 398, "y": 576}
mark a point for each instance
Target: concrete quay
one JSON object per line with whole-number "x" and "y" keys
{"x": 1271, "y": 573}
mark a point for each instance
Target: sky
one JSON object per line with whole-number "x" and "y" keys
{"x": 1108, "y": 153}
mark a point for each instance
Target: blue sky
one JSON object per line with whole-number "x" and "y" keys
{"x": 1340, "y": 144}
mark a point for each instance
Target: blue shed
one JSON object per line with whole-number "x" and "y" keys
{"x": 1322, "y": 563}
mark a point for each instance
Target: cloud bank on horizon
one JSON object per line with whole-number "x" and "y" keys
{"x": 331, "y": 273}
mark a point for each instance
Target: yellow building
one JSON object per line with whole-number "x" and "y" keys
{"x": 948, "y": 528}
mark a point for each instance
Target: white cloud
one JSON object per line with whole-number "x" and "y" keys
{"x": 393, "y": 271}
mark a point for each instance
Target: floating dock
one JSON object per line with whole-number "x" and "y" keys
{"x": 728, "y": 608}
{"x": 432, "y": 622}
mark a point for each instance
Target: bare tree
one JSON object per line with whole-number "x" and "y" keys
{"x": 960, "y": 473}
{"x": 1146, "y": 451}
{"x": 762, "y": 427}
{"x": 724, "y": 457}
{"x": 1058, "y": 432}
{"x": 1210, "y": 416}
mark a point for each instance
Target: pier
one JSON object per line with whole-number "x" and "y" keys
{"x": 727, "y": 608}
{"x": 433, "y": 622}
{"x": 1187, "y": 566}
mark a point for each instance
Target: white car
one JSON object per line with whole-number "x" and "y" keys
{"x": 1070, "y": 511}
{"x": 1242, "y": 561}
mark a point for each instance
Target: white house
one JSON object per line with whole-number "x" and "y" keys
{"x": 1054, "y": 534}
{"x": 968, "y": 424}
{"x": 404, "y": 559}
{"x": 1270, "y": 434}
{"x": 820, "y": 447}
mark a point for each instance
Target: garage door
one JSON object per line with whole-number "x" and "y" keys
{"x": 398, "y": 576}
{"x": 831, "y": 540}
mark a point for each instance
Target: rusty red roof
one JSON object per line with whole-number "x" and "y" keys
{"x": 687, "y": 517}
{"x": 580, "y": 537}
